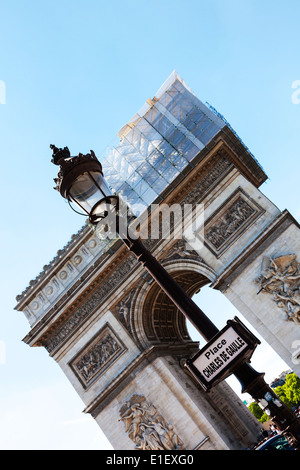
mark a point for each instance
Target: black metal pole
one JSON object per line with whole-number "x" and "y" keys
{"x": 251, "y": 381}
{"x": 173, "y": 290}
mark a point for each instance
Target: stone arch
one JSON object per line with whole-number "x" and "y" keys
{"x": 154, "y": 318}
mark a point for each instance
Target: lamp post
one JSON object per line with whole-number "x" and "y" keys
{"x": 81, "y": 181}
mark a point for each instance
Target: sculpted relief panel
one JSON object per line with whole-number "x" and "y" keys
{"x": 97, "y": 356}
{"x": 229, "y": 221}
{"x": 280, "y": 277}
{"x": 146, "y": 427}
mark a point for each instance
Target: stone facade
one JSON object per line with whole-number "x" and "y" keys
{"x": 123, "y": 344}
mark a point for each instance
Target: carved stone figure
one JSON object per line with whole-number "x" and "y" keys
{"x": 280, "y": 277}
{"x": 146, "y": 427}
{"x": 123, "y": 308}
{"x": 181, "y": 250}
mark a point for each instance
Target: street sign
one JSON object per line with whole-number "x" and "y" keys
{"x": 233, "y": 345}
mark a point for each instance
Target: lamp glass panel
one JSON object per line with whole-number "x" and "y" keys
{"x": 101, "y": 183}
{"x": 85, "y": 192}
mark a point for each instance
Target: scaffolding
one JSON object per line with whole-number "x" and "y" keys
{"x": 159, "y": 142}
{"x": 157, "y": 145}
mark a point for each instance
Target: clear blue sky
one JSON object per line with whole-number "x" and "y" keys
{"x": 74, "y": 73}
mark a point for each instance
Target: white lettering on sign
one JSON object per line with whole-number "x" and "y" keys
{"x": 220, "y": 354}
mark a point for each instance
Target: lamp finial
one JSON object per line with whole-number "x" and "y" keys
{"x": 59, "y": 154}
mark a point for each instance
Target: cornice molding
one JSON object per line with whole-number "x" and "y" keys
{"x": 53, "y": 266}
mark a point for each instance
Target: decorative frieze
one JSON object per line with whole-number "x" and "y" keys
{"x": 226, "y": 224}
{"x": 64, "y": 278}
{"x": 280, "y": 277}
{"x": 97, "y": 356}
{"x": 209, "y": 176}
{"x": 93, "y": 301}
{"x": 146, "y": 427}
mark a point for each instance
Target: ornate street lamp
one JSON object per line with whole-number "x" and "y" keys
{"x": 80, "y": 180}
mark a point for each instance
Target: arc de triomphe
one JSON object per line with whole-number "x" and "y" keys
{"x": 115, "y": 334}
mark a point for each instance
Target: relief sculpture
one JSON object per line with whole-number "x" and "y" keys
{"x": 94, "y": 359}
{"x": 280, "y": 277}
{"x": 146, "y": 427}
{"x": 229, "y": 222}
{"x": 97, "y": 357}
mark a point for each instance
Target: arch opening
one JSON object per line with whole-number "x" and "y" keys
{"x": 156, "y": 319}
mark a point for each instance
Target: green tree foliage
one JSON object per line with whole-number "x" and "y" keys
{"x": 289, "y": 393}
{"x": 259, "y": 414}
{"x": 281, "y": 392}
{"x": 292, "y": 384}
